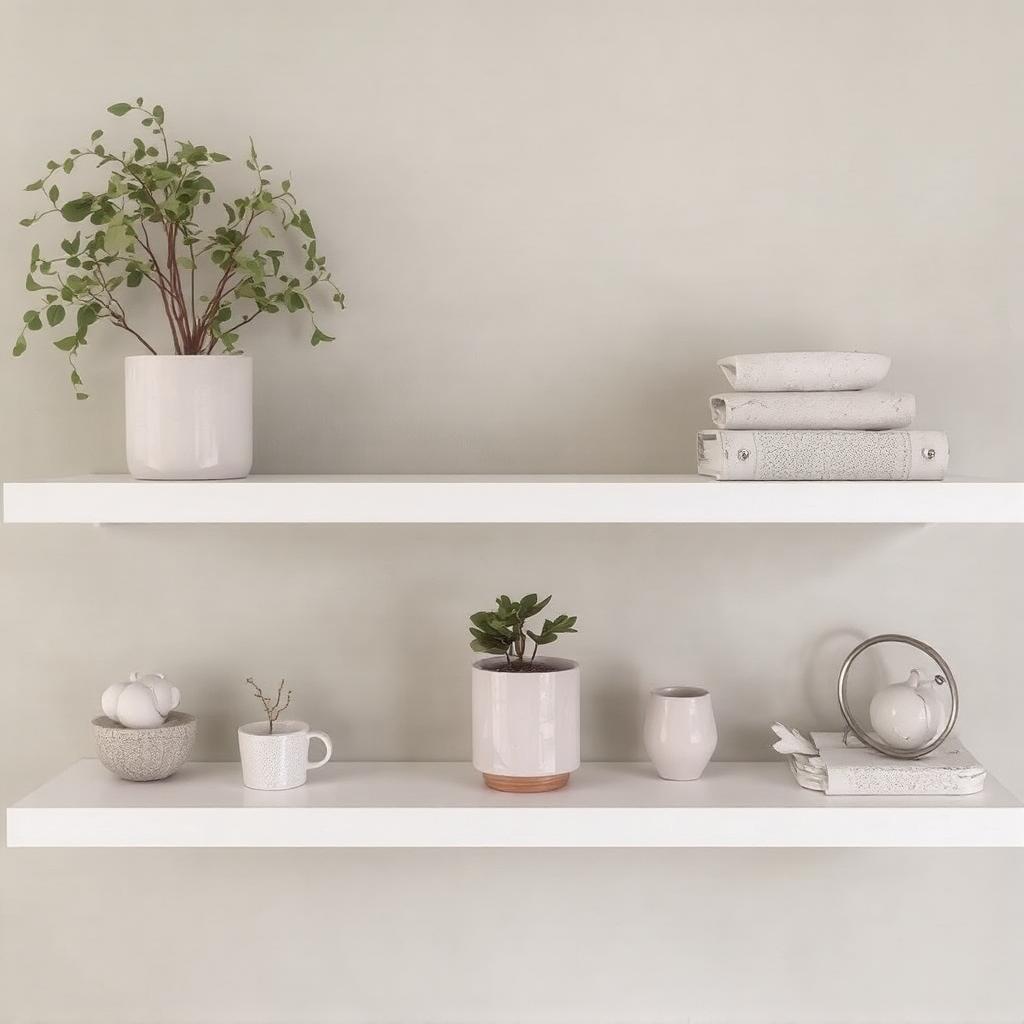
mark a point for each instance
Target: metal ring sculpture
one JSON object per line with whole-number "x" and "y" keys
{"x": 945, "y": 677}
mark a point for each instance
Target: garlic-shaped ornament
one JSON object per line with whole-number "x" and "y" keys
{"x": 909, "y": 714}
{"x": 143, "y": 702}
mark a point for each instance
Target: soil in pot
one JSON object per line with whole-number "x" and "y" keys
{"x": 539, "y": 665}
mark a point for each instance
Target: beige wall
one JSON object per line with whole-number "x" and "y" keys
{"x": 551, "y": 219}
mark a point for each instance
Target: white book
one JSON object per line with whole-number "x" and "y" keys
{"x": 822, "y": 454}
{"x": 848, "y": 768}
{"x": 813, "y": 410}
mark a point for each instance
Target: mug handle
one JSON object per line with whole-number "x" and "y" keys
{"x": 326, "y": 741}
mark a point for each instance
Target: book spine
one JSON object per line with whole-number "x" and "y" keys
{"x": 822, "y": 454}
{"x": 901, "y": 782}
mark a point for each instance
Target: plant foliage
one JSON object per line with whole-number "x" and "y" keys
{"x": 503, "y": 630}
{"x": 143, "y": 226}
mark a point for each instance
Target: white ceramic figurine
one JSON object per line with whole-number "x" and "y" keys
{"x": 908, "y": 714}
{"x": 143, "y": 702}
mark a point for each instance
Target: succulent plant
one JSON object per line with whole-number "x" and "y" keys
{"x": 503, "y": 630}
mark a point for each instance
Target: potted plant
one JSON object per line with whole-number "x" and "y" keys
{"x": 147, "y": 226}
{"x": 275, "y": 754}
{"x": 526, "y": 710}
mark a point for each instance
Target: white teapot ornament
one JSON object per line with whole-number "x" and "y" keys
{"x": 909, "y": 714}
{"x": 142, "y": 702}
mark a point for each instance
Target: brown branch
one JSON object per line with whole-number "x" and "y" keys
{"x": 273, "y": 710}
{"x": 229, "y": 269}
{"x": 178, "y": 299}
{"x": 118, "y": 315}
{"x": 192, "y": 280}
{"x": 131, "y": 330}
{"x": 119, "y": 319}
{"x": 161, "y": 285}
{"x": 204, "y": 324}
{"x": 234, "y": 327}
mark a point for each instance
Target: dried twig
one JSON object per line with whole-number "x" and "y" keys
{"x": 273, "y": 710}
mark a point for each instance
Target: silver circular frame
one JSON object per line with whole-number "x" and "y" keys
{"x": 861, "y": 734}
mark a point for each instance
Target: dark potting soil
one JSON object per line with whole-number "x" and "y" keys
{"x": 539, "y": 665}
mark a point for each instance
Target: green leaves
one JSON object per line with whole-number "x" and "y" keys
{"x": 144, "y": 225}
{"x": 502, "y": 630}
{"x": 87, "y": 316}
{"x": 77, "y": 209}
{"x": 301, "y": 221}
{"x": 551, "y": 628}
{"x": 530, "y": 606}
{"x": 116, "y": 238}
{"x": 19, "y": 346}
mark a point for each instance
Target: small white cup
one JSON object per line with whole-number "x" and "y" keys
{"x": 679, "y": 732}
{"x": 278, "y": 759}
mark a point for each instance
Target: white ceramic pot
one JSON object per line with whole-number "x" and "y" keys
{"x": 188, "y": 417}
{"x": 278, "y": 759}
{"x": 526, "y": 725}
{"x": 680, "y": 732}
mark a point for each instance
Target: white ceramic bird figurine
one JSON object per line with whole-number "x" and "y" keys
{"x": 909, "y": 714}
{"x": 792, "y": 741}
{"x": 142, "y": 702}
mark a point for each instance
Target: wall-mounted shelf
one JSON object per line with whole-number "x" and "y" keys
{"x": 371, "y": 804}
{"x": 507, "y": 499}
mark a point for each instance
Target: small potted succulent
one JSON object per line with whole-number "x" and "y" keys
{"x": 150, "y": 225}
{"x": 526, "y": 710}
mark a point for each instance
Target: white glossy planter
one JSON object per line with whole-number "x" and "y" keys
{"x": 188, "y": 417}
{"x": 680, "y": 732}
{"x": 526, "y": 725}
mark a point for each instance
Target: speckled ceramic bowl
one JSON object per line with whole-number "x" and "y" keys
{"x": 144, "y": 755}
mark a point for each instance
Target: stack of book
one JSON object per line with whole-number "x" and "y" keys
{"x": 816, "y": 416}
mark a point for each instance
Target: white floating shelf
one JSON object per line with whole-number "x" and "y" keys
{"x": 377, "y": 804}
{"x": 507, "y": 499}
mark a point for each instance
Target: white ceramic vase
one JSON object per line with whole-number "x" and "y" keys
{"x": 680, "y": 732}
{"x": 526, "y": 725}
{"x": 188, "y": 417}
{"x": 278, "y": 759}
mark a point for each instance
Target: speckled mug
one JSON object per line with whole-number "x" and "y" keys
{"x": 278, "y": 759}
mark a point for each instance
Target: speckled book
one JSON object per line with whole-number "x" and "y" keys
{"x": 822, "y": 454}
{"x": 845, "y": 767}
